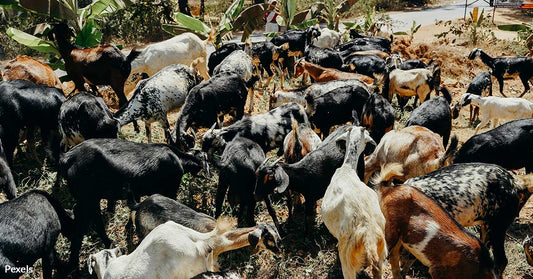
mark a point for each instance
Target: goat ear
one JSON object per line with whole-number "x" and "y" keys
{"x": 91, "y": 262}
{"x": 282, "y": 178}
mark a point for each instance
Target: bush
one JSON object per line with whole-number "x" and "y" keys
{"x": 10, "y": 48}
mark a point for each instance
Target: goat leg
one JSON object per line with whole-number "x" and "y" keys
{"x": 272, "y": 213}
{"x": 500, "y": 83}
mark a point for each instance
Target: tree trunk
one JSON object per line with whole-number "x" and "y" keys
{"x": 184, "y": 7}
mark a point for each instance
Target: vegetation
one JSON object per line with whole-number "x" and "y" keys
{"x": 474, "y": 29}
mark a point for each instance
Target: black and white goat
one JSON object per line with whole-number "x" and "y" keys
{"x": 267, "y": 129}
{"x": 382, "y": 41}
{"x": 478, "y": 194}
{"x": 221, "y": 53}
{"x": 207, "y": 103}
{"x": 85, "y": 116}
{"x": 157, "y": 95}
{"x": 503, "y": 67}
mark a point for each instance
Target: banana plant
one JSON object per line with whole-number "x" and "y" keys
{"x": 185, "y": 23}
{"x": 525, "y": 33}
{"x": 82, "y": 20}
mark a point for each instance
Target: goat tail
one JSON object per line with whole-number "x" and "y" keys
{"x": 294, "y": 125}
{"x": 65, "y": 218}
{"x": 448, "y": 156}
{"x": 387, "y": 173}
{"x": 134, "y": 53}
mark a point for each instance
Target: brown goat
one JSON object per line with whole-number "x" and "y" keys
{"x": 100, "y": 65}
{"x": 27, "y": 68}
{"x": 417, "y": 223}
{"x": 321, "y": 74}
{"x": 416, "y": 148}
{"x": 299, "y": 142}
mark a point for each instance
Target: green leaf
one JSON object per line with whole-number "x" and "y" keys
{"x": 280, "y": 21}
{"x": 32, "y": 41}
{"x": 89, "y": 35}
{"x": 59, "y": 9}
{"x": 105, "y": 7}
{"x": 513, "y": 27}
{"x": 291, "y": 9}
{"x": 174, "y": 29}
{"x": 307, "y": 24}
{"x": 349, "y": 25}
{"x": 191, "y": 24}
{"x": 416, "y": 28}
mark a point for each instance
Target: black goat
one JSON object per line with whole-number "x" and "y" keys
{"x": 479, "y": 85}
{"x": 117, "y": 169}
{"x": 435, "y": 115}
{"x": 507, "y": 66}
{"x": 24, "y": 104}
{"x": 156, "y": 210}
{"x": 325, "y": 57}
{"x": 267, "y": 129}
{"x": 413, "y": 64}
{"x": 298, "y": 40}
{"x": 85, "y": 116}
{"x": 238, "y": 164}
{"x": 478, "y": 194}
{"x": 382, "y": 41}
{"x": 207, "y": 103}
{"x": 266, "y": 57}
{"x": 100, "y": 65}
{"x": 29, "y": 227}
{"x": 369, "y": 65}
{"x": 310, "y": 176}
{"x": 7, "y": 183}
{"x": 508, "y": 145}
{"x": 218, "y": 55}
{"x": 337, "y": 106}
{"x": 377, "y": 116}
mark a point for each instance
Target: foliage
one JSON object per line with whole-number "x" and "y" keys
{"x": 81, "y": 19}
{"x": 140, "y": 22}
{"x": 525, "y": 33}
{"x": 473, "y": 29}
{"x": 371, "y": 24}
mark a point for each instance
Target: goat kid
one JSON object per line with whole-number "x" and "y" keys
{"x": 496, "y": 108}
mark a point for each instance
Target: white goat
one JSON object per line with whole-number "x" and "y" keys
{"x": 174, "y": 251}
{"x": 98, "y": 262}
{"x": 156, "y": 96}
{"x": 181, "y": 49}
{"x": 496, "y": 108}
{"x": 350, "y": 210}
{"x": 327, "y": 39}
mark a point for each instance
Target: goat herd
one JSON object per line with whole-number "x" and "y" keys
{"x": 373, "y": 217}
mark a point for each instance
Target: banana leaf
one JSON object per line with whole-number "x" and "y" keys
{"x": 89, "y": 35}
{"x": 249, "y": 20}
{"x": 32, "y": 41}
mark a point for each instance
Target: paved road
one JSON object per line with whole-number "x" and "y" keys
{"x": 403, "y": 21}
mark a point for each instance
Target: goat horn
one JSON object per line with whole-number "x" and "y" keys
{"x": 275, "y": 162}
{"x": 266, "y": 160}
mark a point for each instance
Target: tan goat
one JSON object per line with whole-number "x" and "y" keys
{"x": 27, "y": 68}
{"x": 417, "y": 149}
